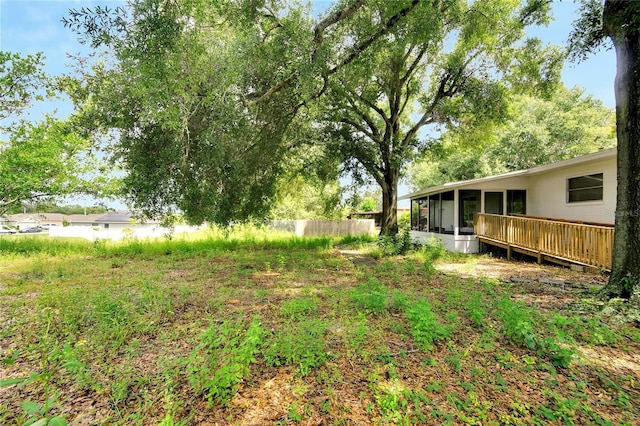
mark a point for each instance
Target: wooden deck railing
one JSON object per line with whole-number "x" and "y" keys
{"x": 585, "y": 244}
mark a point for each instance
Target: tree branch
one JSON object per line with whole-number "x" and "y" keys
{"x": 357, "y": 50}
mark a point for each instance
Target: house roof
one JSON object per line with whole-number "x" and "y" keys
{"x": 123, "y": 216}
{"x": 584, "y": 159}
{"x": 83, "y": 218}
{"x": 52, "y": 217}
{"x": 25, "y": 217}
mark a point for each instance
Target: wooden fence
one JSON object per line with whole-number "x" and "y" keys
{"x": 589, "y": 245}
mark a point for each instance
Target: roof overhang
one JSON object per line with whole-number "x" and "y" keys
{"x": 585, "y": 159}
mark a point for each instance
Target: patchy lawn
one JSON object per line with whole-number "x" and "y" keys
{"x": 289, "y": 331}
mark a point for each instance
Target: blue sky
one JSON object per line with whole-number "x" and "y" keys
{"x": 30, "y": 26}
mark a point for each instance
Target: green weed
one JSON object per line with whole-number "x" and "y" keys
{"x": 425, "y": 326}
{"x": 299, "y": 308}
{"x": 517, "y": 322}
{"x": 301, "y": 343}
{"x": 394, "y": 245}
{"x": 371, "y": 296}
{"x": 221, "y": 360}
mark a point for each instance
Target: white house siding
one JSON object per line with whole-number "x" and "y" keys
{"x": 547, "y": 194}
{"x": 453, "y": 243}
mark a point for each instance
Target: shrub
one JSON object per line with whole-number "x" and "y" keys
{"x": 394, "y": 245}
{"x": 302, "y": 343}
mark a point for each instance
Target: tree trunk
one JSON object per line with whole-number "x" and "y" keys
{"x": 621, "y": 26}
{"x": 389, "y": 223}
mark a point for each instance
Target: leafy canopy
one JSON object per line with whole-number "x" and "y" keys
{"x": 44, "y": 159}
{"x": 209, "y": 101}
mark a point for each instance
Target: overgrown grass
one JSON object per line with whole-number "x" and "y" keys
{"x": 234, "y": 325}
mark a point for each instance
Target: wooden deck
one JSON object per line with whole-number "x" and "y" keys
{"x": 584, "y": 244}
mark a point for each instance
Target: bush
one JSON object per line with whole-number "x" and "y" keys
{"x": 394, "y": 245}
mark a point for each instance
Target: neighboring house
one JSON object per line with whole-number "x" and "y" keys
{"x": 123, "y": 219}
{"x": 563, "y": 211}
{"x": 24, "y": 220}
{"x": 376, "y": 216}
{"x": 56, "y": 219}
{"x": 83, "y": 219}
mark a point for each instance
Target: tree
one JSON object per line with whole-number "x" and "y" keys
{"x": 618, "y": 21}
{"x": 445, "y": 64}
{"x": 222, "y": 93}
{"x": 536, "y": 131}
{"x": 197, "y": 98}
{"x": 21, "y": 81}
{"x": 38, "y": 160}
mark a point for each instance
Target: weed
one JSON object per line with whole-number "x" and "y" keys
{"x": 432, "y": 251}
{"x": 394, "y": 245}
{"x": 222, "y": 357}
{"x": 476, "y": 308}
{"x": 425, "y": 327}
{"x": 517, "y": 323}
{"x": 298, "y": 308}
{"x": 294, "y": 415}
{"x": 301, "y": 343}
{"x": 371, "y": 296}
{"x": 357, "y": 241}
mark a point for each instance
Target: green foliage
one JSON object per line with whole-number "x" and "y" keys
{"x": 21, "y": 82}
{"x": 426, "y": 327}
{"x": 371, "y": 296}
{"x": 518, "y": 324}
{"x": 357, "y": 241}
{"x": 301, "y": 343}
{"x": 476, "y": 308}
{"x": 369, "y": 204}
{"x": 430, "y": 252}
{"x": 221, "y": 360}
{"x": 299, "y": 308}
{"x": 55, "y": 208}
{"x": 398, "y": 244}
{"x": 48, "y": 159}
{"x": 563, "y": 126}
{"x": 254, "y": 85}
{"x": 45, "y": 159}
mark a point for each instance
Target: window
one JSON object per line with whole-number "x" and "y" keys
{"x": 516, "y": 201}
{"x": 441, "y": 207}
{"x": 493, "y": 203}
{"x": 584, "y": 188}
{"x": 419, "y": 214}
{"x": 468, "y": 207}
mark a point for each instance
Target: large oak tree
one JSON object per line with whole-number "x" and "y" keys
{"x": 446, "y": 63}
{"x": 618, "y": 21}
{"x": 210, "y": 99}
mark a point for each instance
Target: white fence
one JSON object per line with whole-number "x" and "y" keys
{"x": 92, "y": 234}
{"x": 316, "y": 228}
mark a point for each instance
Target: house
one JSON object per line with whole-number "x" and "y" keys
{"x": 83, "y": 219}
{"x": 123, "y": 219}
{"x": 56, "y": 219}
{"x": 563, "y": 211}
{"x": 24, "y": 220}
